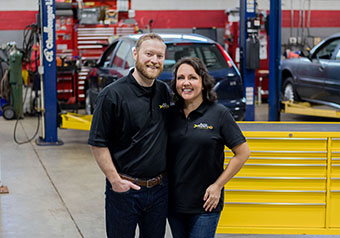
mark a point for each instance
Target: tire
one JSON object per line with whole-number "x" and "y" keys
{"x": 288, "y": 91}
{"x": 8, "y": 112}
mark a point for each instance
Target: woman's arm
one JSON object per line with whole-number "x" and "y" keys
{"x": 213, "y": 192}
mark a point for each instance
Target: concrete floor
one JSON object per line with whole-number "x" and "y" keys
{"x": 58, "y": 191}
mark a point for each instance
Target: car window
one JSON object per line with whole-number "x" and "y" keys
{"x": 130, "y": 61}
{"x": 326, "y": 51}
{"x": 122, "y": 51}
{"x": 211, "y": 58}
{"x": 337, "y": 56}
{"x": 208, "y": 53}
{"x": 107, "y": 57}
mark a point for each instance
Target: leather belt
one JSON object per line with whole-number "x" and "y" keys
{"x": 149, "y": 183}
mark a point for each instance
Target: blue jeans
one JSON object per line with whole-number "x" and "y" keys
{"x": 146, "y": 207}
{"x": 193, "y": 225}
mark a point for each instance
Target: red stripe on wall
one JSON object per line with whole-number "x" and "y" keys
{"x": 16, "y": 20}
{"x": 215, "y": 18}
{"x": 181, "y": 18}
{"x": 318, "y": 18}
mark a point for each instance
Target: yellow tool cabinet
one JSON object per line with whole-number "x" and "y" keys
{"x": 289, "y": 185}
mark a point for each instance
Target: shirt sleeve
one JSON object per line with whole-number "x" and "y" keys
{"x": 231, "y": 133}
{"x": 103, "y": 120}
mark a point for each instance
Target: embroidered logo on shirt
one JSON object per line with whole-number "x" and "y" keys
{"x": 203, "y": 126}
{"x": 164, "y": 106}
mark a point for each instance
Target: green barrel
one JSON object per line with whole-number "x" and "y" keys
{"x": 15, "y": 81}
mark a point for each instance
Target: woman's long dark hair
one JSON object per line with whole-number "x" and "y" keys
{"x": 209, "y": 94}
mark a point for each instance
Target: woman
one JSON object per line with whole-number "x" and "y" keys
{"x": 198, "y": 131}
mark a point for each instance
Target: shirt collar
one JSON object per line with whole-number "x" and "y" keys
{"x": 136, "y": 88}
{"x": 203, "y": 107}
{"x": 200, "y": 110}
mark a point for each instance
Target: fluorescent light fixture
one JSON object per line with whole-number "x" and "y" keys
{"x": 177, "y": 36}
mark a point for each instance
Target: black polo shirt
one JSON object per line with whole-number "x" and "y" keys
{"x": 196, "y": 154}
{"x": 130, "y": 121}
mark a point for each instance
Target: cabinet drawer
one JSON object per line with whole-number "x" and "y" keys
{"x": 335, "y": 183}
{"x": 275, "y": 196}
{"x": 335, "y": 170}
{"x": 288, "y": 144}
{"x": 335, "y": 208}
{"x": 239, "y": 182}
{"x": 278, "y": 170}
{"x": 273, "y": 215}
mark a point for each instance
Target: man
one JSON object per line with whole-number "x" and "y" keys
{"x": 128, "y": 140}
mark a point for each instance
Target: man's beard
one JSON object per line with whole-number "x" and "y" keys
{"x": 142, "y": 69}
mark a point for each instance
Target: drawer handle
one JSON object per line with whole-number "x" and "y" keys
{"x": 276, "y": 203}
{"x": 275, "y": 191}
{"x": 282, "y": 158}
{"x": 287, "y": 165}
{"x": 284, "y": 138}
{"x": 285, "y": 151}
{"x": 284, "y": 178}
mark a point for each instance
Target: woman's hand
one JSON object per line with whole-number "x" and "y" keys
{"x": 211, "y": 197}
{"x": 213, "y": 192}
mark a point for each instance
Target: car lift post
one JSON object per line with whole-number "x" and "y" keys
{"x": 48, "y": 73}
{"x": 247, "y": 10}
{"x": 274, "y": 60}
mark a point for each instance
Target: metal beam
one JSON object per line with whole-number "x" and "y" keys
{"x": 274, "y": 60}
{"x": 49, "y": 72}
{"x": 247, "y": 10}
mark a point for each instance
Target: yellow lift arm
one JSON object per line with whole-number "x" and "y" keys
{"x": 75, "y": 121}
{"x": 306, "y": 108}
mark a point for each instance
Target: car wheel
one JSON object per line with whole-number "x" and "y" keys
{"x": 289, "y": 91}
{"x": 88, "y": 104}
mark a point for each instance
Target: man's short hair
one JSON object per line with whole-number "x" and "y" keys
{"x": 149, "y": 36}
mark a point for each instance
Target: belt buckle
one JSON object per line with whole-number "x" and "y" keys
{"x": 147, "y": 183}
{"x": 153, "y": 180}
